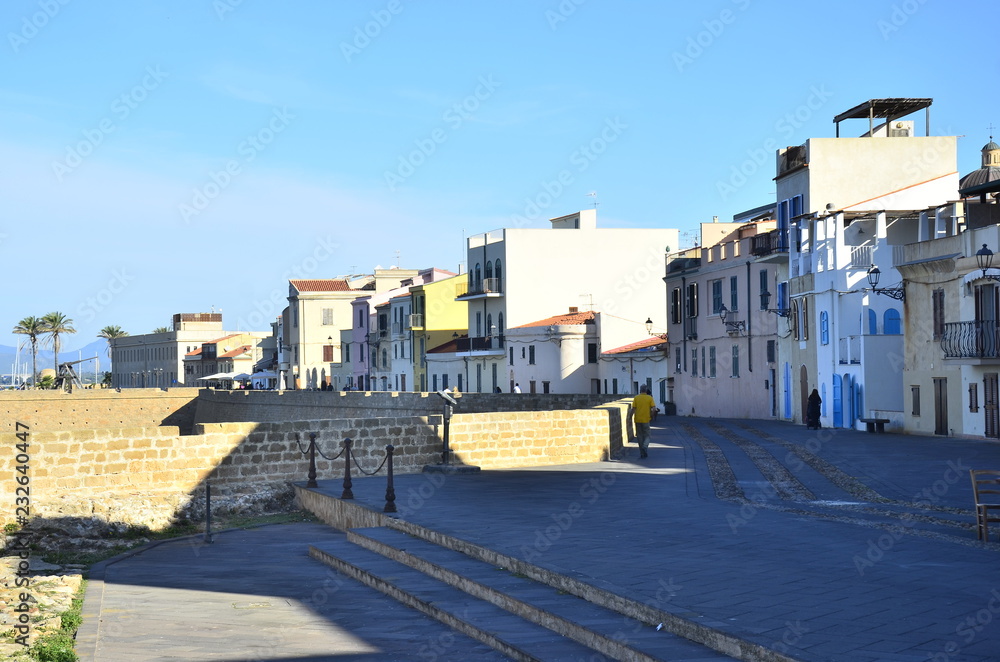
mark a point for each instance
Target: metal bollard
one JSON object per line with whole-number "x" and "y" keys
{"x": 347, "y": 494}
{"x": 312, "y": 461}
{"x": 390, "y": 492}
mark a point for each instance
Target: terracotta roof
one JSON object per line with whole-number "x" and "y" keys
{"x": 324, "y": 285}
{"x": 562, "y": 320}
{"x": 242, "y": 349}
{"x": 218, "y": 340}
{"x": 646, "y": 344}
{"x": 195, "y": 352}
{"x": 449, "y": 347}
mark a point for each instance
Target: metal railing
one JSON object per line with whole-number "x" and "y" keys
{"x": 348, "y": 493}
{"x": 965, "y": 340}
{"x": 480, "y": 343}
{"x": 775, "y": 241}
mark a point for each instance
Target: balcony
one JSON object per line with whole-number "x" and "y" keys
{"x": 973, "y": 342}
{"x": 691, "y": 328}
{"x": 415, "y": 321}
{"x": 480, "y": 346}
{"x": 374, "y": 337}
{"x": 770, "y": 244}
{"x": 486, "y": 288}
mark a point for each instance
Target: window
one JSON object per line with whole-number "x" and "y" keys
{"x": 772, "y": 346}
{"x": 531, "y": 355}
{"x": 460, "y": 388}
{"x": 347, "y": 352}
{"x": 703, "y": 362}
{"x": 711, "y": 361}
{"x": 736, "y": 360}
{"x": 545, "y": 387}
{"x": 327, "y": 353}
{"x": 511, "y": 356}
{"x": 677, "y": 358}
{"x": 498, "y": 275}
{"x": 782, "y": 303}
{"x": 824, "y": 328}
{"x": 692, "y": 300}
{"x": 675, "y": 305}
{"x": 444, "y": 381}
{"x": 361, "y": 319}
{"x": 915, "y": 400}
{"x": 973, "y": 397}
{"x": 489, "y": 270}
{"x": 295, "y": 316}
{"x": 385, "y": 358}
{"x": 694, "y": 362}
{"x": 716, "y": 296}
{"x": 327, "y": 316}
{"x": 522, "y": 352}
{"x": 734, "y": 297}
{"x": 479, "y": 325}
{"x": 591, "y": 353}
{"x": 938, "y": 300}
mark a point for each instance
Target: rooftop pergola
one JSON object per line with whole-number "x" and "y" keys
{"x": 887, "y": 109}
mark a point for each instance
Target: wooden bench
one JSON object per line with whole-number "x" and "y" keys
{"x": 874, "y": 424}
{"x": 986, "y": 489}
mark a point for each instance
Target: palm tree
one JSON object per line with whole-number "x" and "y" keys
{"x": 109, "y": 333}
{"x": 56, "y": 324}
{"x": 33, "y": 327}
{"x": 162, "y": 329}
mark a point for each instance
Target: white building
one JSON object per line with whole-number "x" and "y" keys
{"x": 519, "y": 275}
{"x": 558, "y": 354}
{"x": 642, "y": 363}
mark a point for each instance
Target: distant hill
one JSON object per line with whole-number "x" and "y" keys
{"x": 98, "y": 348}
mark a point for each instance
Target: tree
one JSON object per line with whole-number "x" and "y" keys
{"x": 109, "y": 333}
{"x": 33, "y": 327}
{"x": 161, "y": 329}
{"x": 56, "y": 324}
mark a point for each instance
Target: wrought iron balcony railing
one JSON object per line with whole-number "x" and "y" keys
{"x": 775, "y": 241}
{"x": 967, "y": 340}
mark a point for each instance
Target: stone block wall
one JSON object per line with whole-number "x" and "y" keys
{"x": 215, "y": 406}
{"x": 148, "y": 476}
{"x": 98, "y": 409}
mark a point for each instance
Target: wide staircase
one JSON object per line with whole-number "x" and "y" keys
{"x": 524, "y": 611}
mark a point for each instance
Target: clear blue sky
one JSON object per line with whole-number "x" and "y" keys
{"x": 164, "y": 157}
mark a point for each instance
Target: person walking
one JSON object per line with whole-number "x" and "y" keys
{"x": 642, "y": 409}
{"x": 812, "y": 410}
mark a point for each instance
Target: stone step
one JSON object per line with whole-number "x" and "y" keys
{"x": 480, "y": 620}
{"x": 606, "y": 631}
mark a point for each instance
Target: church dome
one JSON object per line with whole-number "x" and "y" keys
{"x": 989, "y": 172}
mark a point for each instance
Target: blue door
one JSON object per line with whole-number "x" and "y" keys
{"x": 838, "y": 404}
{"x": 848, "y": 402}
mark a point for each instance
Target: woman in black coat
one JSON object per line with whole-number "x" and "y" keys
{"x": 812, "y": 410}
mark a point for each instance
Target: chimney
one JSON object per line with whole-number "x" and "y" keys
{"x": 574, "y": 309}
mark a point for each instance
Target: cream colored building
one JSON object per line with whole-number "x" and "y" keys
{"x": 437, "y": 318}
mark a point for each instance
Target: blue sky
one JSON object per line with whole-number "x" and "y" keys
{"x": 165, "y": 157}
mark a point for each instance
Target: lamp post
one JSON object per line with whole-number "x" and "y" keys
{"x": 984, "y": 258}
{"x": 738, "y": 326}
{"x": 765, "y": 299}
{"x": 897, "y": 293}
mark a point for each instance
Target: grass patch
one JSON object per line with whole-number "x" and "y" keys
{"x": 58, "y": 646}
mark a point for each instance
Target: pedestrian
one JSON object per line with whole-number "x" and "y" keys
{"x": 497, "y": 390}
{"x": 642, "y": 408}
{"x": 812, "y": 410}
{"x": 517, "y": 387}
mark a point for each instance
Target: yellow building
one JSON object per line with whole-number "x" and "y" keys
{"x": 436, "y": 319}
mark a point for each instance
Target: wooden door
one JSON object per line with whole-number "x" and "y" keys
{"x": 990, "y": 405}
{"x": 940, "y": 405}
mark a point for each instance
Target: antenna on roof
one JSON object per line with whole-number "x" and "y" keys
{"x": 397, "y": 259}
{"x": 593, "y": 194}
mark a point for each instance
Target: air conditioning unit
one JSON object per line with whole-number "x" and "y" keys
{"x": 901, "y": 129}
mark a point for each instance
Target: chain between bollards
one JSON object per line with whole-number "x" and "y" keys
{"x": 347, "y": 494}
{"x": 390, "y": 492}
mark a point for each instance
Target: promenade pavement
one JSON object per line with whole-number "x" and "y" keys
{"x": 822, "y": 545}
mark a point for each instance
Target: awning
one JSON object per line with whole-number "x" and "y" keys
{"x": 241, "y": 376}
{"x": 218, "y": 376}
{"x": 264, "y": 374}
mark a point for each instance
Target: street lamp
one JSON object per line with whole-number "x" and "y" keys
{"x": 765, "y": 298}
{"x": 737, "y": 326}
{"x": 649, "y": 326}
{"x": 984, "y": 258}
{"x": 896, "y": 293}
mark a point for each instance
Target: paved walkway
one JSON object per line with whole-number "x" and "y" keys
{"x": 825, "y": 545}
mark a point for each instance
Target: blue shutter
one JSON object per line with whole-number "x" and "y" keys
{"x": 782, "y": 296}
{"x": 788, "y": 391}
{"x": 891, "y": 323}
{"x": 872, "y": 322}
{"x": 824, "y": 328}
{"x": 838, "y": 404}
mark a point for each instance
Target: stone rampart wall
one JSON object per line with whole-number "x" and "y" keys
{"x": 98, "y": 409}
{"x": 151, "y": 475}
{"x": 217, "y": 406}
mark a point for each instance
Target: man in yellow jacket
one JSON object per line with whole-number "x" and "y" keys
{"x": 642, "y": 409}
